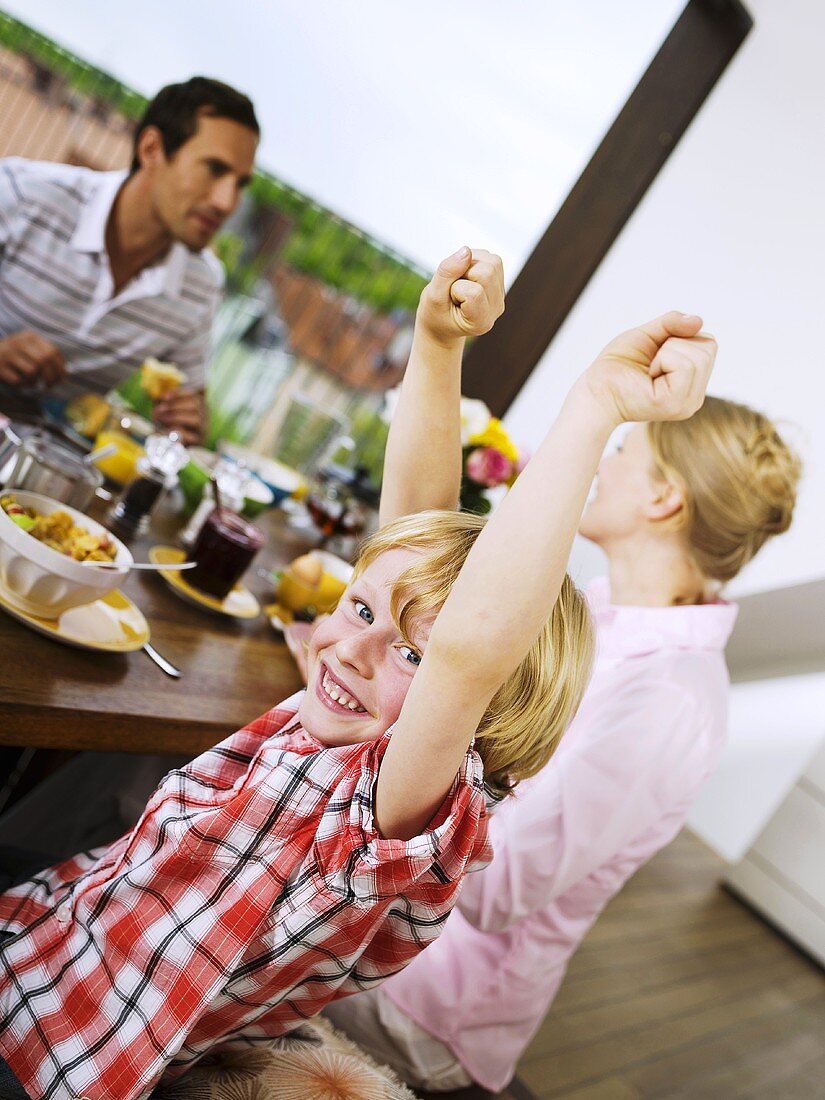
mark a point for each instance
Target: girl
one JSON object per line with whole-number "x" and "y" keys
{"x": 312, "y": 854}
{"x": 680, "y": 508}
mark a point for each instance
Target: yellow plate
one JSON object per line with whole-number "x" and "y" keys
{"x": 113, "y": 624}
{"x": 239, "y": 604}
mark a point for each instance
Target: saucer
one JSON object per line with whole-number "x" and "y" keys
{"x": 112, "y": 624}
{"x": 239, "y": 604}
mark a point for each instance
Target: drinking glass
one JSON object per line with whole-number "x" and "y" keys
{"x": 127, "y": 433}
{"x": 304, "y": 433}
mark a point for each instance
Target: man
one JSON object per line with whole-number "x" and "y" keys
{"x": 100, "y": 270}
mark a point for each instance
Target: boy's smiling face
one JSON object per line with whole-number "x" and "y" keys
{"x": 359, "y": 667}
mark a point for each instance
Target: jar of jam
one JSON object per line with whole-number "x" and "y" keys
{"x": 223, "y": 550}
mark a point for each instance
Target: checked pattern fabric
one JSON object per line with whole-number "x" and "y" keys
{"x": 253, "y": 891}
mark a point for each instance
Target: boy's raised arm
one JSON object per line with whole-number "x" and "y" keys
{"x": 422, "y": 467}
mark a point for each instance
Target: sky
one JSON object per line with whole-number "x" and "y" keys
{"x": 427, "y": 124}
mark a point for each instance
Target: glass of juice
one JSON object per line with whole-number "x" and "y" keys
{"x": 120, "y": 466}
{"x": 223, "y": 551}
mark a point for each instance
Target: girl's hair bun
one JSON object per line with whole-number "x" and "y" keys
{"x": 775, "y": 473}
{"x": 739, "y": 479}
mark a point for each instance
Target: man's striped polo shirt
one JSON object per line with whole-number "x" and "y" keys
{"x": 55, "y": 280}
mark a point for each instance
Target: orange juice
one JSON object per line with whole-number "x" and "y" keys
{"x": 120, "y": 466}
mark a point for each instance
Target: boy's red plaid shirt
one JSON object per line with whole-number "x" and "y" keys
{"x": 253, "y": 890}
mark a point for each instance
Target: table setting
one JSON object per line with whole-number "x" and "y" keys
{"x": 184, "y": 556}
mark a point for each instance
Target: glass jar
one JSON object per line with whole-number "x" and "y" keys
{"x": 337, "y": 516}
{"x": 233, "y": 480}
{"x": 223, "y": 550}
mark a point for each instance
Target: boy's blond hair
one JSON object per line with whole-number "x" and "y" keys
{"x": 528, "y": 714}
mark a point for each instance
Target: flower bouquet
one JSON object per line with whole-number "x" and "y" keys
{"x": 490, "y": 458}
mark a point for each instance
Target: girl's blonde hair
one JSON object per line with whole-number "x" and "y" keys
{"x": 738, "y": 478}
{"x": 528, "y": 714}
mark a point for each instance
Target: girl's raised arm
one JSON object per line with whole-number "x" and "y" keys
{"x": 512, "y": 576}
{"x": 422, "y": 467}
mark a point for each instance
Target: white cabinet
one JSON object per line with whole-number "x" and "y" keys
{"x": 783, "y": 872}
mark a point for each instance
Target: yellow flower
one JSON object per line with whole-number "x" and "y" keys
{"x": 495, "y": 436}
{"x": 474, "y": 418}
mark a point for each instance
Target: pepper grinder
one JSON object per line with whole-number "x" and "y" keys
{"x": 155, "y": 471}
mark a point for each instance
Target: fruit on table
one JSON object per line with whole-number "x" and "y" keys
{"x": 160, "y": 379}
{"x": 308, "y": 570}
{"x": 18, "y": 515}
{"x": 59, "y": 531}
{"x": 306, "y": 587}
{"x": 88, "y": 413}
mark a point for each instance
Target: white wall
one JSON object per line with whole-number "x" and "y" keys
{"x": 734, "y": 229}
{"x": 775, "y": 728}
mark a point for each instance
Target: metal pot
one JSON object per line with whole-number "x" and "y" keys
{"x": 45, "y": 467}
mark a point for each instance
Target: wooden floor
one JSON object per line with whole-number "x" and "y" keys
{"x": 680, "y": 993}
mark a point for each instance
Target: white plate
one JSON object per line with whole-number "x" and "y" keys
{"x": 112, "y": 624}
{"x": 239, "y": 604}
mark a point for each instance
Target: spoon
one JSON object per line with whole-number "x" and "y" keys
{"x": 101, "y": 452}
{"x": 8, "y": 431}
{"x": 161, "y": 662}
{"x": 216, "y": 491}
{"x": 141, "y": 565}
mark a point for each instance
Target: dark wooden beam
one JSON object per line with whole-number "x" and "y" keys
{"x": 681, "y": 75}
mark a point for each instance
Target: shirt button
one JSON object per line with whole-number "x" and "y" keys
{"x": 64, "y": 915}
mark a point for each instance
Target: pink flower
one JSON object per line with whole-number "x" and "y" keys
{"x": 487, "y": 466}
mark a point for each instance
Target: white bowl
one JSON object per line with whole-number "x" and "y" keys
{"x": 282, "y": 480}
{"x": 195, "y": 476}
{"x": 44, "y": 582}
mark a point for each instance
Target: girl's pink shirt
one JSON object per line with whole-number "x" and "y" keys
{"x": 648, "y": 734}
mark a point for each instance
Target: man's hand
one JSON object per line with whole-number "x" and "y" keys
{"x": 658, "y": 371}
{"x": 185, "y": 412}
{"x": 463, "y": 298}
{"x": 26, "y": 358}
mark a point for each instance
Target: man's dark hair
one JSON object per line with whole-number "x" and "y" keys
{"x": 176, "y": 108}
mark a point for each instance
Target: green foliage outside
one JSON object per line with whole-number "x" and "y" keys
{"x": 86, "y": 79}
{"x": 369, "y": 430}
{"x": 226, "y": 425}
{"x": 230, "y": 422}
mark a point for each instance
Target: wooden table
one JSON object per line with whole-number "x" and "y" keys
{"x": 58, "y": 697}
